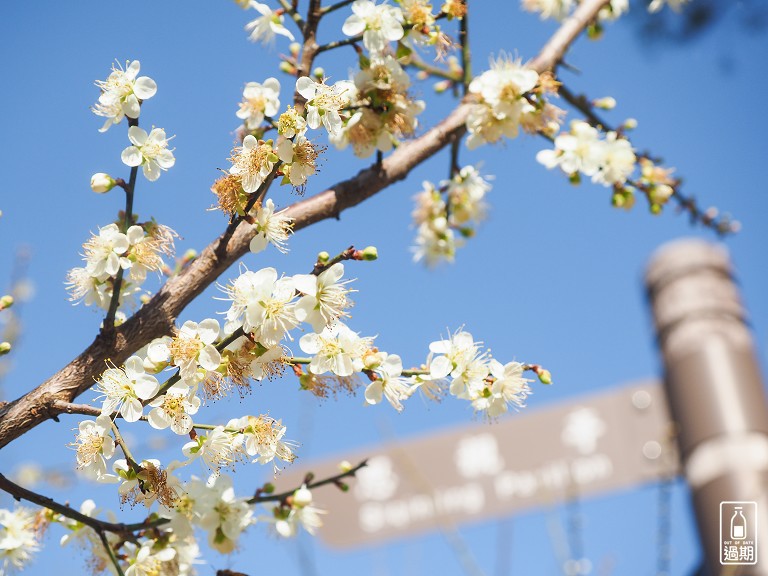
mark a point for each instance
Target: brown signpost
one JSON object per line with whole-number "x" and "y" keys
{"x": 716, "y": 396}
{"x": 613, "y": 440}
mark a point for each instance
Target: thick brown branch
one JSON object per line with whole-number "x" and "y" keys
{"x": 156, "y": 318}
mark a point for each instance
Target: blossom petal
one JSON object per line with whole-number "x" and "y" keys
{"x": 131, "y": 156}
{"x": 144, "y": 87}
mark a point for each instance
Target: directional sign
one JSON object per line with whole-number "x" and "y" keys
{"x": 604, "y": 442}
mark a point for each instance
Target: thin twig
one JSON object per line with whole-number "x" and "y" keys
{"x": 339, "y": 43}
{"x": 333, "y": 7}
{"x": 280, "y": 497}
{"x": 109, "y": 320}
{"x": 110, "y": 552}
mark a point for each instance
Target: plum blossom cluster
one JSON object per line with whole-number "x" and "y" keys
{"x": 121, "y": 95}
{"x": 491, "y": 387}
{"x": 19, "y": 538}
{"x": 162, "y": 551}
{"x": 607, "y": 159}
{"x": 508, "y": 96}
{"x": 445, "y": 216}
{"x": 384, "y": 112}
{"x": 560, "y": 9}
{"x": 138, "y": 250}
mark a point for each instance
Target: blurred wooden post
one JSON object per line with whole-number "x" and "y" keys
{"x": 715, "y": 390}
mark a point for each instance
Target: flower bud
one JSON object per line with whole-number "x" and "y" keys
{"x": 661, "y": 193}
{"x": 630, "y": 124}
{"x": 294, "y": 49}
{"x": 318, "y": 73}
{"x": 442, "y": 86}
{"x": 345, "y": 466}
{"x": 323, "y": 257}
{"x": 545, "y": 376}
{"x": 607, "y": 103}
{"x": 5, "y": 347}
{"x": 6, "y": 302}
{"x": 370, "y": 253}
{"x": 302, "y": 497}
{"x": 287, "y": 67}
{"x": 101, "y": 183}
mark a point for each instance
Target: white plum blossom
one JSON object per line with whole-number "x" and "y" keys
{"x": 466, "y": 193}
{"x": 265, "y": 27}
{"x": 253, "y": 162}
{"x": 191, "y": 349}
{"x": 259, "y": 100}
{"x": 150, "y": 151}
{"x": 104, "y": 253}
{"x": 94, "y": 446}
{"x": 83, "y": 286}
{"x": 618, "y": 161}
{"x": 271, "y": 228}
{"x": 121, "y": 93}
{"x": 613, "y": 10}
{"x": 435, "y": 242}
{"x": 557, "y": 9}
{"x": 174, "y": 409}
{"x": 323, "y": 103}
{"x": 576, "y": 151}
{"x": 336, "y": 349}
{"x": 78, "y": 531}
{"x": 124, "y": 388}
{"x": 301, "y": 513}
{"x": 379, "y": 24}
{"x": 460, "y": 358}
{"x": 291, "y": 123}
{"x": 223, "y": 515}
{"x": 501, "y": 104}
{"x": 216, "y": 449}
{"x": 366, "y": 133}
{"x": 487, "y": 127}
{"x": 262, "y": 437}
{"x": 389, "y": 384}
{"x": 149, "y": 561}
{"x": 676, "y": 5}
{"x": 263, "y": 305}
{"x": 299, "y": 159}
{"x": 18, "y": 538}
{"x": 324, "y": 297}
{"x": 509, "y": 387}
{"x": 609, "y": 161}
{"x": 503, "y": 85}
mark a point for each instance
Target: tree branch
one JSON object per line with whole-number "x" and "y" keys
{"x": 100, "y": 526}
{"x": 156, "y": 318}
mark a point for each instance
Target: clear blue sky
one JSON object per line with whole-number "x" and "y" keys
{"x": 554, "y": 275}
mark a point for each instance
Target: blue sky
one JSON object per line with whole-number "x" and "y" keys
{"x": 553, "y": 276}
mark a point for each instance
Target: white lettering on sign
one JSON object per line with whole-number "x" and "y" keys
{"x": 478, "y": 455}
{"x": 377, "y": 481}
{"x": 402, "y": 512}
{"x": 581, "y": 430}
